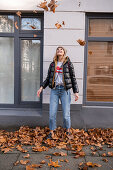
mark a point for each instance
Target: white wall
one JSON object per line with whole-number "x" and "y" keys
{"x": 64, "y": 5}
{"x": 73, "y": 15}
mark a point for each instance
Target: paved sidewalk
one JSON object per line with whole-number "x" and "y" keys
{"x": 8, "y": 159}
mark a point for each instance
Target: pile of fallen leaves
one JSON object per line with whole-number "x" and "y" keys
{"x": 74, "y": 142}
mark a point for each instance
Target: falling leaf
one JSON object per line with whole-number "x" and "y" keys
{"x": 33, "y": 27}
{"x": 58, "y": 25}
{"x": 81, "y": 42}
{"x": 35, "y": 35}
{"x": 19, "y": 13}
{"x": 52, "y": 5}
{"x": 16, "y": 26}
{"x": 43, "y": 5}
{"x": 90, "y": 52}
{"x": 63, "y": 23}
{"x": 34, "y": 11}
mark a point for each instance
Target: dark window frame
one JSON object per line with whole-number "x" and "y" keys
{"x": 18, "y": 35}
{"x": 93, "y": 39}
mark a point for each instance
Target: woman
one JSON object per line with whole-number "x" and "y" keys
{"x": 60, "y": 78}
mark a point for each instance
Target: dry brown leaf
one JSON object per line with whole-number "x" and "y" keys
{"x": 52, "y": 5}
{"x": 43, "y": 5}
{"x": 35, "y": 35}
{"x": 63, "y": 23}
{"x": 105, "y": 160}
{"x": 89, "y": 164}
{"x": 97, "y": 165}
{"x": 19, "y": 13}
{"x": 104, "y": 154}
{"x": 79, "y": 148}
{"x": 35, "y": 11}
{"x": 60, "y": 154}
{"x": 24, "y": 162}
{"x": 43, "y": 162}
{"x": 90, "y": 52}
{"x": 36, "y": 165}
{"x": 54, "y": 164}
{"x": 93, "y": 153}
{"x": 26, "y": 156}
{"x": 19, "y": 148}
{"x": 110, "y": 153}
{"x": 81, "y": 42}
{"x": 66, "y": 160}
{"x": 58, "y": 25}
{"x": 33, "y": 27}
{"x": 2, "y": 139}
{"x": 16, "y": 26}
{"x": 5, "y": 150}
{"x": 47, "y": 156}
{"x": 16, "y": 163}
{"x": 29, "y": 167}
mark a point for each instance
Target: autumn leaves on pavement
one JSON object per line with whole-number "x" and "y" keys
{"x": 27, "y": 136}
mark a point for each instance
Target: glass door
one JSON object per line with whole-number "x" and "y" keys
{"x": 30, "y": 69}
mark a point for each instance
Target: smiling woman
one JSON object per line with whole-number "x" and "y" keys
{"x": 60, "y": 78}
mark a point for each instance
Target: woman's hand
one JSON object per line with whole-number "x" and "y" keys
{"x": 76, "y": 96}
{"x": 39, "y": 91}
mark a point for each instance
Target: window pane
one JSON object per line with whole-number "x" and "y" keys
{"x": 100, "y": 71}
{"x": 30, "y": 69}
{"x": 6, "y": 23}
{"x": 6, "y": 70}
{"x": 31, "y": 24}
{"x": 101, "y": 27}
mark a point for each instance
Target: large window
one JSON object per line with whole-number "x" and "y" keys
{"x": 21, "y": 43}
{"x": 99, "y": 59}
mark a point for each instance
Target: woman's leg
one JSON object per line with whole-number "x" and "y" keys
{"x": 53, "y": 107}
{"x": 66, "y": 101}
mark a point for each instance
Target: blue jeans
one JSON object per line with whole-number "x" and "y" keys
{"x": 65, "y": 97}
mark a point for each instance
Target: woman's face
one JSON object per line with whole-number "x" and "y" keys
{"x": 60, "y": 51}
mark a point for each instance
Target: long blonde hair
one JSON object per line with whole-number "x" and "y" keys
{"x": 56, "y": 57}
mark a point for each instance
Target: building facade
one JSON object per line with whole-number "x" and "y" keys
{"x": 27, "y": 47}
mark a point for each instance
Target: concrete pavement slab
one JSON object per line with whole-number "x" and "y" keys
{"x": 7, "y": 160}
{"x": 105, "y": 165}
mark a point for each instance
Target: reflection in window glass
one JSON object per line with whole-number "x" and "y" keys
{"x": 100, "y": 71}
{"x": 30, "y": 69}
{"x": 6, "y": 23}
{"x": 96, "y": 27}
{"x": 6, "y": 70}
{"x": 31, "y": 24}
